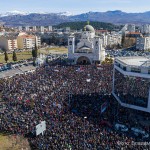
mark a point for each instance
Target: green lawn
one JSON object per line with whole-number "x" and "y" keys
{"x": 27, "y": 54}
{"x": 54, "y": 50}
{"x": 20, "y": 56}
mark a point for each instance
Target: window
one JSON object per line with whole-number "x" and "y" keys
{"x": 124, "y": 68}
{"x": 96, "y": 43}
{"x": 136, "y": 70}
{"x": 70, "y": 42}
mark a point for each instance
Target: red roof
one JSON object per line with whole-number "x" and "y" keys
{"x": 134, "y": 33}
{"x": 101, "y": 30}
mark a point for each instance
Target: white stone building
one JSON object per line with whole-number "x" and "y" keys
{"x": 89, "y": 50}
{"x": 143, "y": 43}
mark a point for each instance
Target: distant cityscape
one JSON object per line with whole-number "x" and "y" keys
{"x": 130, "y": 35}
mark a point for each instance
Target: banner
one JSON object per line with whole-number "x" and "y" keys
{"x": 40, "y": 128}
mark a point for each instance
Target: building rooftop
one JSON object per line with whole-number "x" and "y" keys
{"x": 27, "y": 36}
{"x": 101, "y": 30}
{"x": 135, "y": 61}
{"x": 134, "y": 33}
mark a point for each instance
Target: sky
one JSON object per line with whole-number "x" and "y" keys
{"x": 74, "y": 6}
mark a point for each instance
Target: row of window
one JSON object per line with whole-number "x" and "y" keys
{"x": 133, "y": 69}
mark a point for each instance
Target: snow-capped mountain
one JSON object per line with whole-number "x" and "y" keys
{"x": 15, "y": 12}
{"x": 67, "y": 13}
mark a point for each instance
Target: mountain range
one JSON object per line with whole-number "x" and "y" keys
{"x": 17, "y": 18}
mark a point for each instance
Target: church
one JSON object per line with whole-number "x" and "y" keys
{"x": 89, "y": 50}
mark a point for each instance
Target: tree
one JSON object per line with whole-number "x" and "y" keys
{"x": 14, "y": 57}
{"x": 123, "y": 40}
{"x": 33, "y": 52}
{"x": 6, "y": 56}
{"x": 36, "y": 50}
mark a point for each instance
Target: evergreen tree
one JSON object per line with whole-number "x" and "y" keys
{"x": 6, "y": 56}
{"x": 123, "y": 40}
{"x": 14, "y": 57}
{"x": 36, "y": 50}
{"x": 33, "y": 52}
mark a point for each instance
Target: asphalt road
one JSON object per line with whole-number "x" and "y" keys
{"x": 15, "y": 71}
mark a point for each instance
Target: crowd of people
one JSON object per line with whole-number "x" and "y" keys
{"x": 53, "y": 94}
{"x": 129, "y": 89}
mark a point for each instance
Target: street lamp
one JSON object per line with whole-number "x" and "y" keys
{"x": 85, "y": 117}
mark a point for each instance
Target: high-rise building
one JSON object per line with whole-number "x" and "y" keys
{"x": 50, "y": 28}
{"x": 20, "y": 28}
{"x": 145, "y": 29}
{"x": 34, "y": 28}
{"x": 67, "y": 29}
{"x": 42, "y": 28}
{"x": 27, "y": 28}
{"x": 143, "y": 43}
{"x": 131, "y": 27}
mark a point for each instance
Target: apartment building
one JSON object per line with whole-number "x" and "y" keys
{"x": 34, "y": 28}
{"x": 143, "y": 43}
{"x": 113, "y": 39}
{"x": 28, "y": 41}
{"x": 27, "y": 28}
{"x": 8, "y": 43}
{"x": 145, "y": 29}
{"x": 131, "y": 28}
{"x": 20, "y": 28}
{"x": 50, "y": 28}
{"x": 42, "y": 28}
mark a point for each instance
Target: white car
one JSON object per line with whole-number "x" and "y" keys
{"x": 137, "y": 132}
{"x": 121, "y": 127}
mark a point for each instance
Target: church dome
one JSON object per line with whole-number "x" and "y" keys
{"x": 89, "y": 28}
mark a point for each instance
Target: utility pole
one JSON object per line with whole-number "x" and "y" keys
{"x": 84, "y": 132}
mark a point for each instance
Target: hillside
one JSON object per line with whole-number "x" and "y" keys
{"x": 80, "y": 25}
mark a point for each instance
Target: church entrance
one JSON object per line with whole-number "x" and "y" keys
{"x": 83, "y": 61}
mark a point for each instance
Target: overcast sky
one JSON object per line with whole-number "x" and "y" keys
{"x": 74, "y": 6}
